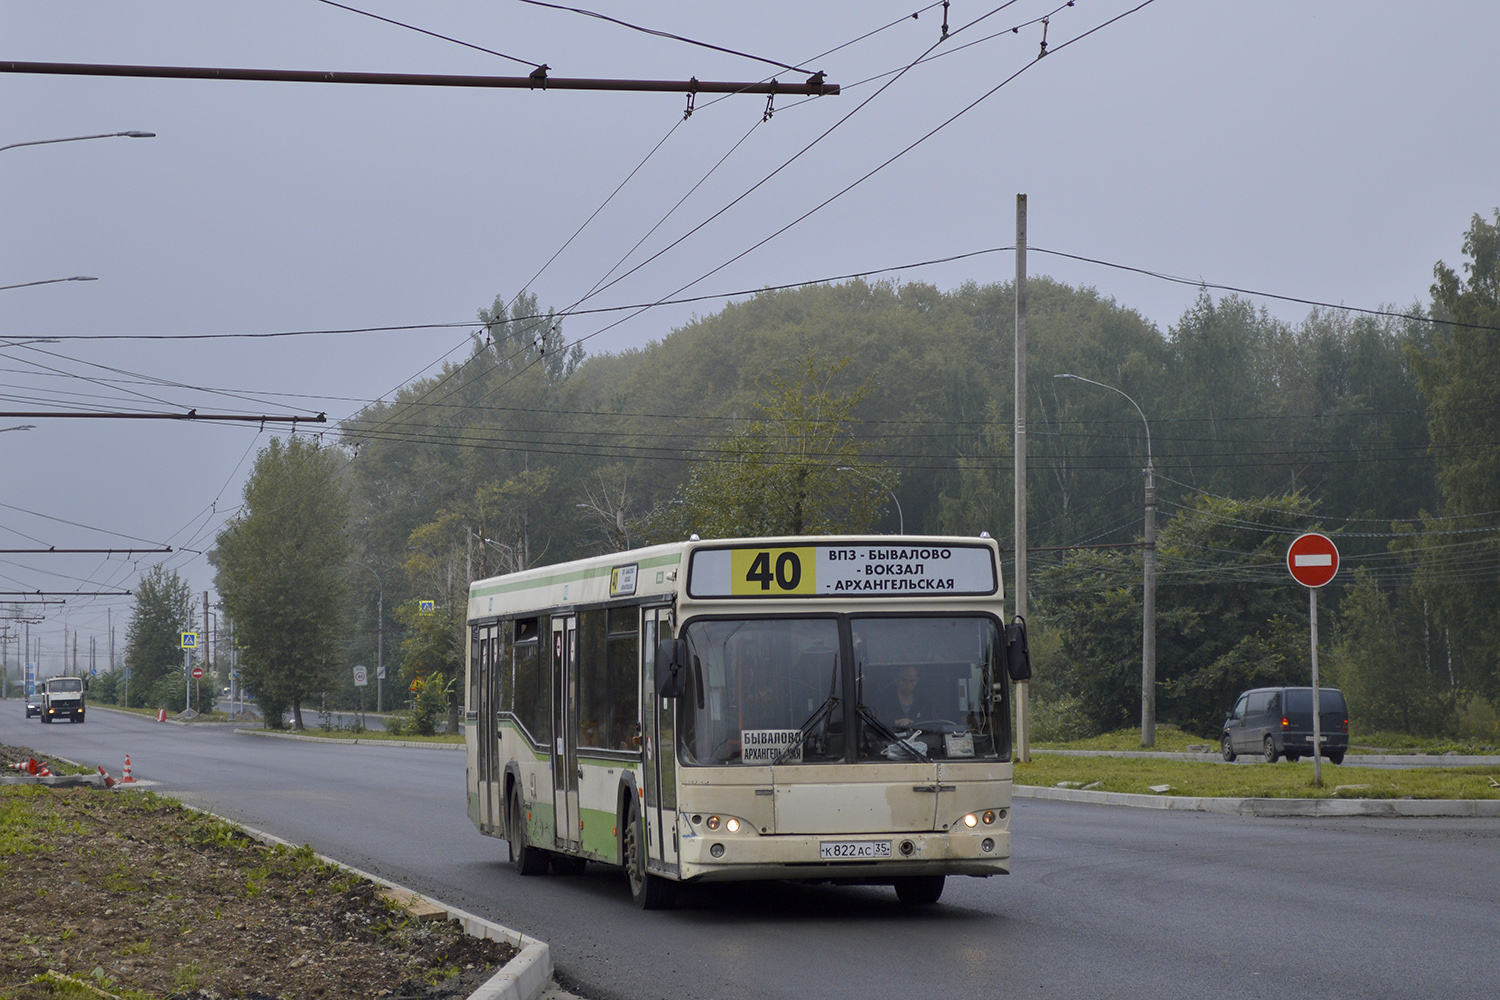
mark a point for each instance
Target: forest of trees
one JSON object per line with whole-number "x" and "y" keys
{"x": 1380, "y": 430}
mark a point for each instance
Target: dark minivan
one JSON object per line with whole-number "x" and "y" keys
{"x": 1278, "y": 722}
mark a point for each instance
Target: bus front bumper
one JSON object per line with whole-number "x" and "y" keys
{"x": 745, "y": 857}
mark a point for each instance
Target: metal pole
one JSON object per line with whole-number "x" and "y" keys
{"x": 380, "y": 650}
{"x": 1312, "y": 597}
{"x": 1148, "y": 611}
{"x": 1023, "y": 722}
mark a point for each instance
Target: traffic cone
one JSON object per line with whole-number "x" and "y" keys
{"x": 127, "y": 779}
{"x": 43, "y": 771}
{"x": 108, "y": 781}
{"x": 161, "y": 715}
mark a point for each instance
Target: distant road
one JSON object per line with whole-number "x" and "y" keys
{"x": 1105, "y": 902}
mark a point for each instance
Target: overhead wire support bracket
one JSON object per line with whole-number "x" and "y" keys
{"x": 815, "y": 86}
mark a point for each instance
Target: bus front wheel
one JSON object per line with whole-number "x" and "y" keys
{"x": 526, "y": 859}
{"x": 919, "y": 890}
{"x": 650, "y": 892}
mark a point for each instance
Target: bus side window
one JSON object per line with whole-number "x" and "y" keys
{"x": 533, "y": 686}
{"x": 624, "y": 687}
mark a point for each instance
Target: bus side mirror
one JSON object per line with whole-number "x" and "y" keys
{"x": 671, "y": 668}
{"x": 1017, "y": 653}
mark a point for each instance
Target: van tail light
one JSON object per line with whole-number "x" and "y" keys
{"x": 1346, "y": 725}
{"x": 1285, "y": 724}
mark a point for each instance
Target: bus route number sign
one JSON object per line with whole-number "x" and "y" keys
{"x": 780, "y": 571}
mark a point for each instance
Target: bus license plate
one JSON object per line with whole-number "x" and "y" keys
{"x": 854, "y": 850}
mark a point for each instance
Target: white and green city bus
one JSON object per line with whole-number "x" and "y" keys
{"x": 820, "y": 708}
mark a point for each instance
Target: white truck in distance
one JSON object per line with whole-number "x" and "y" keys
{"x": 62, "y": 698}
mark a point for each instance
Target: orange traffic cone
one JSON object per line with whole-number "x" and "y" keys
{"x": 161, "y": 715}
{"x": 108, "y": 781}
{"x": 43, "y": 771}
{"x": 127, "y": 779}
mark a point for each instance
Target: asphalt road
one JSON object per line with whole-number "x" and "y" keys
{"x": 1105, "y": 901}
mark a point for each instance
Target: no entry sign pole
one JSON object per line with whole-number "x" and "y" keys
{"x": 1313, "y": 561}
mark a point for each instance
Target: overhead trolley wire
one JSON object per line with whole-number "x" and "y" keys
{"x": 662, "y": 34}
{"x": 433, "y": 34}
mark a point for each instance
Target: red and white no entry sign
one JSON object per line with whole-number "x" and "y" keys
{"x": 197, "y": 673}
{"x": 1313, "y": 560}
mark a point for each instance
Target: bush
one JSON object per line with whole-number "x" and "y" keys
{"x": 1477, "y": 720}
{"x": 105, "y": 689}
{"x": 1060, "y": 721}
{"x": 168, "y": 693}
{"x": 431, "y": 704}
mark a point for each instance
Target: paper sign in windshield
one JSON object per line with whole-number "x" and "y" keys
{"x": 762, "y": 746}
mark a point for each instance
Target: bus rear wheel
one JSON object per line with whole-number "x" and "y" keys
{"x": 919, "y": 890}
{"x": 526, "y": 859}
{"x": 650, "y": 892}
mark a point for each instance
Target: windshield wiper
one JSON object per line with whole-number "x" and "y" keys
{"x": 888, "y": 733}
{"x": 802, "y": 730}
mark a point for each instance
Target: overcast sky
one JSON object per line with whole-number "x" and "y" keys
{"x": 1327, "y": 150}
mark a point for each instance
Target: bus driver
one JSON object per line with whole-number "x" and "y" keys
{"x": 901, "y": 704}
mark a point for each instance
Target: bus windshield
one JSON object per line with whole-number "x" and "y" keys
{"x": 771, "y": 690}
{"x": 924, "y": 687}
{"x": 754, "y": 684}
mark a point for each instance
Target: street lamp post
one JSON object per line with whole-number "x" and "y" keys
{"x": 900, "y": 517}
{"x": 133, "y": 134}
{"x": 1148, "y": 599}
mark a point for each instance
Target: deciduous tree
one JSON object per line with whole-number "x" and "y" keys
{"x": 153, "y": 640}
{"x": 282, "y": 572}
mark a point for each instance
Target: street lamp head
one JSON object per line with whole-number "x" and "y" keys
{"x": 138, "y": 135}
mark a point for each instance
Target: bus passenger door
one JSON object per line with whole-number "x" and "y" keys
{"x": 659, "y": 772}
{"x": 485, "y": 689}
{"x": 565, "y": 730}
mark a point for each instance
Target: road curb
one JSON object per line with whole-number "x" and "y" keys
{"x": 354, "y": 742}
{"x": 1350, "y": 760}
{"x": 1283, "y": 808}
{"x": 524, "y": 977}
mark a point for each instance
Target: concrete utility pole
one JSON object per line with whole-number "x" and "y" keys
{"x": 1023, "y": 721}
{"x": 208, "y": 659}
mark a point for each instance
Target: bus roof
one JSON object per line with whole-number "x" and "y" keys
{"x": 854, "y": 566}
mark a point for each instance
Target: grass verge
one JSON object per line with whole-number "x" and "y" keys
{"x": 1258, "y": 780}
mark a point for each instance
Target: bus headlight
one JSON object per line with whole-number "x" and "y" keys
{"x": 970, "y": 820}
{"x": 989, "y": 817}
{"x": 729, "y": 823}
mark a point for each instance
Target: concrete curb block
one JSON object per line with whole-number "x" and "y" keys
{"x": 354, "y": 742}
{"x": 54, "y": 780}
{"x": 1484, "y": 808}
{"x": 524, "y": 977}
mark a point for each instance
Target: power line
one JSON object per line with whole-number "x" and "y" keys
{"x": 661, "y": 34}
{"x": 432, "y": 34}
